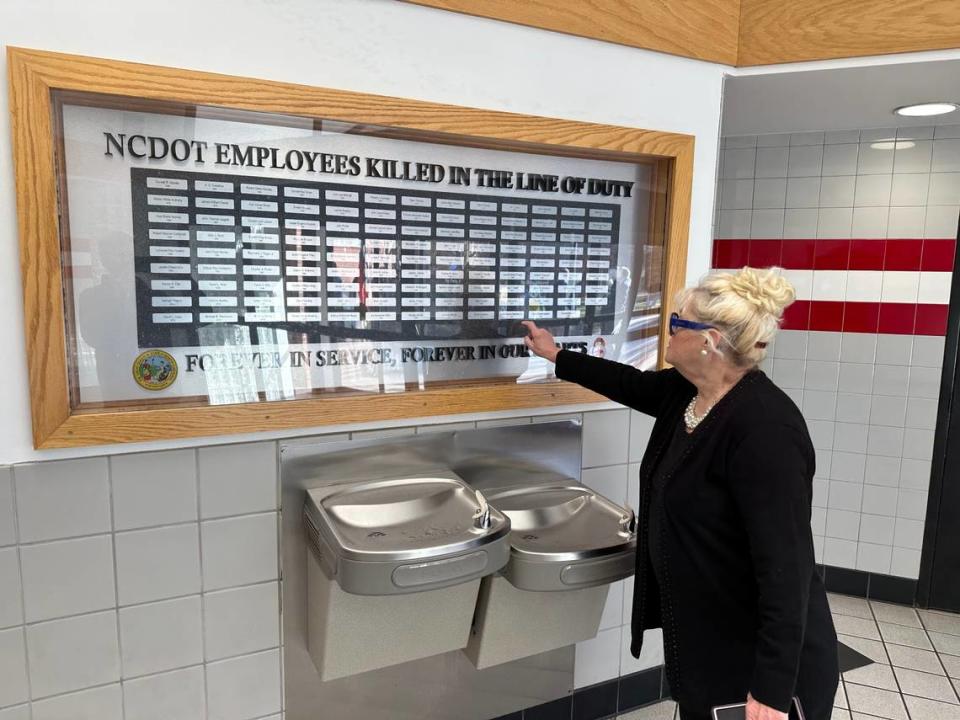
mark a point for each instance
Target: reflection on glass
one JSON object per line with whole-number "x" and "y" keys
{"x": 275, "y": 258}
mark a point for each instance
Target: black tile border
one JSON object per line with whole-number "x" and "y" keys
{"x": 873, "y": 586}
{"x": 640, "y": 689}
{"x": 554, "y": 710}
{"x": 603, "y": 700}
{"x": 893, "y": 589}
{"x": 597, "y": 701}
{"x": 846, "y": 582}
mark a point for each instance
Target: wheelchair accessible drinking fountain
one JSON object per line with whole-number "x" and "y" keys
{"x": 394, "y": 569}
{"x": 567, "y": 545}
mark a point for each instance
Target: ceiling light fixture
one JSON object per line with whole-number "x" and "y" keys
{"x": 891, "y": 144}
{"x": 926, "y": 109}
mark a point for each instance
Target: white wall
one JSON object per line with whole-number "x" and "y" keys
{"x": 375, "y": 46}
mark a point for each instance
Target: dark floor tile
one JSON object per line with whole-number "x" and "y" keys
{"x": 846, "y": 582}
{"x": 595, "y": 702}
{"x": 850, "y": 659}
{"x": 893, "y": 589}
{"x": 553, "y": 710}
{"x": 511, "y": 716}
{"x": 639, "y": 689}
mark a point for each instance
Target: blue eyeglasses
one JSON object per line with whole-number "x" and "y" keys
{"x": 678, "y": 323}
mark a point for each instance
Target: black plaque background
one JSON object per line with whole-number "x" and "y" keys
{"x": 598, "y": 319}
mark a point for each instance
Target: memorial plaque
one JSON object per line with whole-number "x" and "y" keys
{"x": 205, "y": 254}
{"x": 271, "y": 260}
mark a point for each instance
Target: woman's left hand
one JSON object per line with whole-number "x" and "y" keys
{"x": 756, "y": 710}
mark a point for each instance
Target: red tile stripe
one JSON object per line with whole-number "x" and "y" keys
{"x": 866, "y": 317}
{"x": 931, "y": 255}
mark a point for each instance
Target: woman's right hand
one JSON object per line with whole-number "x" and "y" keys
{"x": 540, "y": 341}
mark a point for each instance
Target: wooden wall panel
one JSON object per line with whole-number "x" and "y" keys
{"x": 739, "y": 32}
{"x": 774, "y": 31}
{"x": 700, "y": 29}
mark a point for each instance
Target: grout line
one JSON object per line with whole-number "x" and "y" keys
{"x": 279, "y": 519}
{"x": 887, "y": 653}
{"x": 143, "y": 604}
{"x": 240, "y": 516}
{"x": 98, "y": 686}
{"x": 939, "y": 659}
{"x": 168, "y": 671}
{"x": 165, "y": 526}
{"x": 116, "y": 587}
{"x": 23, "y": 598}
{"x": 203, "y": 614}
{"x": 118, "y": 682}
{"x": 201, "y": 664}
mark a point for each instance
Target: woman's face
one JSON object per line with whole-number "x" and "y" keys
{"x": 683, "y": 348}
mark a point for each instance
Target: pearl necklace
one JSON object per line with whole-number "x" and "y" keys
{"x": 690, "y": 418}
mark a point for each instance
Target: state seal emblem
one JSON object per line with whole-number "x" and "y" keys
{"x": 154, "y": 370}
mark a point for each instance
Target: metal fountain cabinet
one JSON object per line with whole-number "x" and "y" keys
{"x": 443, "y": 575}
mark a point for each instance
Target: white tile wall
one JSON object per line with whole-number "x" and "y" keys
{"x": 606, "y": 438}
{"x": 8, "y": 532}
{"x": 650, "y": 656}
{"x": 158, "y": 563}
{"x": 154, "y": 489}
{"x": 13, "y": 671}
{"x": 598, "y": 659}
{"x": 245, "y": 687}
{"x": 195, "y": 633}
{"x": 62, "y": 499}
{"x": 179, "y": 694}
{"x": 162, "y": 636}
{"x": 621, "y": 435}
{"x": 238, "y": 479}
{"x": 871, "y": 410}
{"x": 102, "y": 703}
{"x": 11, "y": 605}
{"x": 613, "y": 609}
{"x": 875, "y": 499}
{"x": 73, "y": 653}
{"x": 67, "y": 577}
{"x": 162, "y": 600}
{"x": 109, "y": 622}
{"x": 20, "y": 712}
{"x": 239, "y": 551}
{"x": 232, "y": 620}
{"x": 610, "y": 481}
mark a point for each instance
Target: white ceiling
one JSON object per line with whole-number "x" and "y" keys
{"x": 838, "y": 99}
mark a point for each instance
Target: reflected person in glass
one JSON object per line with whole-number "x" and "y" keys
{"x": 725, "y": 555}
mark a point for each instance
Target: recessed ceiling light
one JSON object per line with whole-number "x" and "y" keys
{"x": 892, "y": 144}
{"x": 926, "y": 109}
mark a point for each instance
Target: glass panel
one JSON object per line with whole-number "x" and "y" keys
{"x": 217, "y": 256}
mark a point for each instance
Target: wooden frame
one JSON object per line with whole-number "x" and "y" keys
{"x": 34, "y": 74}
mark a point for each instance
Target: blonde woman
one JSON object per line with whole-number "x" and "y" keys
{"x": 725, "y": 559}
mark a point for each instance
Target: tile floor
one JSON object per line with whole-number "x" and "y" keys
{"x": 915, "y": 673}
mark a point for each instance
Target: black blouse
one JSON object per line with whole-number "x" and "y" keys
{"x": 679, "y": 442}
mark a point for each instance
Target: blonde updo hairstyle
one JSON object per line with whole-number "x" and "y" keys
{"x": 746, "y": 307}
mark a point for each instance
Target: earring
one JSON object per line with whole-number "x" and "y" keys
{"x": 703, "y": 352}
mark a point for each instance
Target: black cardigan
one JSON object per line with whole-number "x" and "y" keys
{"x": 743, "y": 607}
